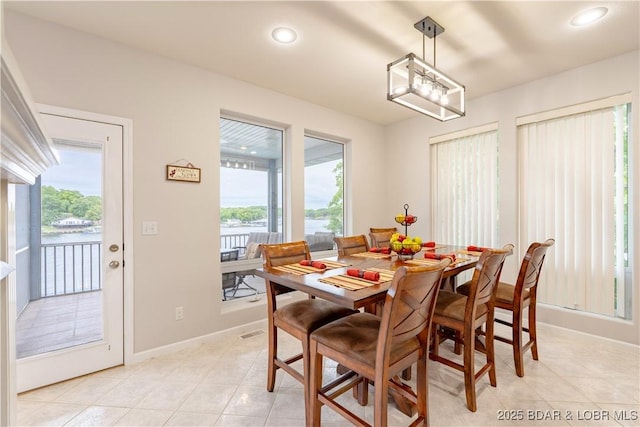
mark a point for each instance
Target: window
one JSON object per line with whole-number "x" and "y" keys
{"x": 250, "y": 201}
{"x": 323, "y": 192}
{"x": 574, "y": 187}
{"x": 465, "y": 193}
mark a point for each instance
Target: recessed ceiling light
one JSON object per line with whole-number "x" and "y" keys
{"x": 589, "y": 16}
{"x": 284, "y": 35}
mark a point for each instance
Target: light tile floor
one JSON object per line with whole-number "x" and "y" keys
{"x": 63, "y": 321}
{"x": 579, "y": 381}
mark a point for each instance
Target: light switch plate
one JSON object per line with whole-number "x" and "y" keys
{"x": 149, "y": 228}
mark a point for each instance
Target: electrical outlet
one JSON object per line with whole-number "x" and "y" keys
{"x": 179, "y": 313}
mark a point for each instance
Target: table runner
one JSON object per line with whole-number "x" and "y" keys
{"x": 298, "y": 269}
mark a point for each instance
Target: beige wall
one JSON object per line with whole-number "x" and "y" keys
{"x": 175, "y": 110}
{"x": 614, "y": 76}
{"x": 175, "y": 107}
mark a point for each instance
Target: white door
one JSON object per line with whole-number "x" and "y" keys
{"x": 73, "y": 324}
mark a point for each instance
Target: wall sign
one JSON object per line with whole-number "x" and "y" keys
{"x": 183, "y": 173}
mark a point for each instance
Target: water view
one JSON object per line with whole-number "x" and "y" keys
{"x": 311, "y": 226}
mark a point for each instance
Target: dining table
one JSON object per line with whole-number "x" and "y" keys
{"x": 332, "y": 283}
{"x": 315, "y": 283}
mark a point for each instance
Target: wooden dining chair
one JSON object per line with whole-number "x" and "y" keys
{"x": 298, "y": 318}
{"x": 516, "y": 298}
{"x": 351, "y": 244}
{"x": 383, "y": 229}
{"x": 380, "y": 237}
{"x": 377, "y": 348}
{"x": 464, "y": 314}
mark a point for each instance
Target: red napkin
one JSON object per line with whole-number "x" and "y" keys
{"x": 429, "y": 244}
{"x": 374, "y": 276}
{"x": 440, "y": 256}
{"x": 476, "y": 248}
{"x": 314, "y": 264}
{"x": 385, "y": 251}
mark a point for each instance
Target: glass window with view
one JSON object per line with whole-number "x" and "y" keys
{"x": 250, "y": 202}
{"x": 323, "y": 192}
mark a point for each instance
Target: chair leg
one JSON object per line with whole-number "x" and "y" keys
{"x": 361, "y": 392}
{"x": 456, "y": 343}
{"x": 306, "y": 370}
{"x": 273, "y": 352}
{"x": 469, "y": 369}
{"x": 313, "y": 405}
{"x": 380, "y": 401}
{"x": 241, "y": 281}
{"x": 533, "y": 335}
{"x": 490, "y": 351}
{"x": 435, "y": 341}
{"x": 516, "y": 338}
{"x": 422, "y": 389}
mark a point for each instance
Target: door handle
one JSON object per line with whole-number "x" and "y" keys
{"x": 114, "y": 264}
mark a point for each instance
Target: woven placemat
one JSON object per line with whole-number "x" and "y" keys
{"x": 298, "y": 269}
{"x": 354, "y": 283}
{"x": 375, "y": 255}
{"x": 429, "y": 261}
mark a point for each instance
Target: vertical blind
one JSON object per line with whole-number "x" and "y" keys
{"x": 569, "y": 184}
{"x": 465, "y": 192}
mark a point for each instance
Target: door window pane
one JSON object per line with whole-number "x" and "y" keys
{"x": 60, "y": 304}
{"x": 323, "y": 192}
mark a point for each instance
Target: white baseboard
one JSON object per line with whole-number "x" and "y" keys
{"x": 216, "y": 336}
{"x": 608, "y": 329}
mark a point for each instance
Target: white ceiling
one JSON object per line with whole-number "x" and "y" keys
{"x": 339, "y": 60}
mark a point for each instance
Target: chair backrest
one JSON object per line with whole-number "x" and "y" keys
{"x": 381, "y": 239}
{"x": 229, "y": 256}
{"x": 485, "y": 279}
{"x": 531, "y": 266}
{"x": 274, "y": 237}
{"x": 280, "y": 254}
{"x": 320, "y": 241}
{"x": 284, "y": 253}
{"x": 258, "y": 237}
{"x": 383, "y": 229}
{"x": 409, "y": 306}
{"x": 351, "y": 244}
{"x": 252, "y": 251}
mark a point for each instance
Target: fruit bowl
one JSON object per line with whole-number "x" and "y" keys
{"x": 406, "y": 248}
{"x": 405, "y": 220}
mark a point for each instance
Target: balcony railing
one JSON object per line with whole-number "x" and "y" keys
{"x": 230, "y": 241}
{"x": 69, "y": 268}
